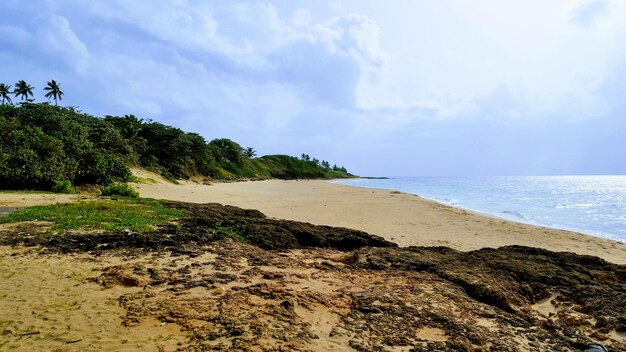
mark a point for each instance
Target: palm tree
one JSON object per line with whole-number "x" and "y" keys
{"x": 249, "y": 152}
{"x": 24, "y": 89}
{"x": 54, "y": 91}
{"x": 5, "y": 90}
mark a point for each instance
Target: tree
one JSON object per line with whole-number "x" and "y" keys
{"x": 130, "y": 127}
{"x": 54, "y": 91}
{"x": 5, "y": 90}
{"x": 249, "y": 152}
{"x": 226, "y": 151}
{"x": 23, "y": 89}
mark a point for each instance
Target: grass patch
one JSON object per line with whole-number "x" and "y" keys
{"x": 120, "y": 189}
{"x": 143, "y": 180}
{"x": 237, "y": 231}
{"x": 24, "y": 191}
{"x": 121, "y": 213}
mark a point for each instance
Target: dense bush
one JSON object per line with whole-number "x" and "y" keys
{"x": 119, "y": 190}
{"x": 177, "y": 154}
{"x": 288, "y": 167}
{"x": 42, "y": 143}
{"x": 165, "y": 149}
{"x": 64, "y": 186}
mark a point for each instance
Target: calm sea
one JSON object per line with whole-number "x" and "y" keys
{"x": 595, "y": 205}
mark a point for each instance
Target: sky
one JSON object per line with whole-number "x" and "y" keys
{"x": 384, "y": 88}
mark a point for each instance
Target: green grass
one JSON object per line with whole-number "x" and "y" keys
{"x": 120, "y": 189}
{"x": 25, "y": 191}
{"x": 64, "y": 186}
{"x": 120, "y": 213}
{"x": 237, "y": 231}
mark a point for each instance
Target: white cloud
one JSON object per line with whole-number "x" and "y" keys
{"x": 589, "y": 11}
{"x": 55, "y": 37}
{"x": 301, "y": 18}
{"x": 328, "y": 61}
{"x": 456, "y": 53}
{"x": 14, "y": 34}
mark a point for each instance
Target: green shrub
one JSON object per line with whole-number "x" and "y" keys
{"x": 119, "y": 190}
{"x": 101, "y": 167}
{"x": 64, "y": 186}
{"x": 42, "y": 143}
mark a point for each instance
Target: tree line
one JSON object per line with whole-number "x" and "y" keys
{"x": 24, "y": 91}
{"x": 41, "y": 144}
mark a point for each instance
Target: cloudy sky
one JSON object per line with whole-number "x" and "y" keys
{"x": 394, "y": 87}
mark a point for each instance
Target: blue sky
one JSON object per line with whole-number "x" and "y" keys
{"x": 395, "y": 87}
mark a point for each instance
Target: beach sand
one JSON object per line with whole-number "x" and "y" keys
{"x": 402, "y": 218}
{"x": 235, "y": 296}
{"x": 14, "y": 200}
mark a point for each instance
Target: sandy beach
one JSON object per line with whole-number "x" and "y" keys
{"x": 181, "y": 292}
{"x": 402, "y": 218}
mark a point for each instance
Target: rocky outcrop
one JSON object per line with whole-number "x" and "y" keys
{"x": 203, "y": 224}
{"x": 269, "y": 233}
{"x": 586, "y": 295}
{"x": 237, "y": 296}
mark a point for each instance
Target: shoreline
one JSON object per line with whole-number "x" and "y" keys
{"x": 485, "y": 214}
{"x": 403, "y": 218}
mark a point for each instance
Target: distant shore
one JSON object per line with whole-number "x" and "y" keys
{"x": 402, "y": 218}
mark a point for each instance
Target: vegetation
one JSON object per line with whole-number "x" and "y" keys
{"x": 5, "y": 90}
{"x": 64, "y": 186}
{"x": 41, "y": 144}
{"x": 45, "y": 146}
{"x": 136, "y": 215}
{"x": 288, "y": 167}
{"x": 24, "y": 90}
{"x": 54, "y": 91}
{"x": 123, "y": 190}
{"x": 250, "y": 152}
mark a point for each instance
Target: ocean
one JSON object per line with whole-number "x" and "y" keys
{"x": 595, "y": 205}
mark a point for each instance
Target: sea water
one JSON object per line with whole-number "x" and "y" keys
{"x": 594, "y": 205}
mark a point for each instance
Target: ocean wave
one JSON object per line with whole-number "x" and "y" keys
{"x": 451, "y": 201}
{"x": 516, "y": 214}
{"x": 575, "y": 206}
{"x": 526, "y": 198}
